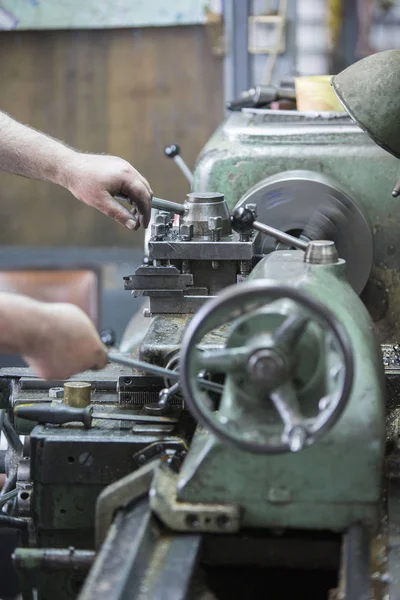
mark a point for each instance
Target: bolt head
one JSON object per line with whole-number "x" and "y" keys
{"x": 158, "y": 230}
{"x": 163, "y": 217}
{"x": 215, "y": 223}
{"x": 266, "y": 368}
{"x": 56, "y": 392}
{"x": 186, "y": 231}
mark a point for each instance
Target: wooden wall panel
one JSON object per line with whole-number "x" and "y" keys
{"x": 122, "y": 92}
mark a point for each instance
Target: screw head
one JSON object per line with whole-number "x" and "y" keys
{"x": 163, "y": 217}
{"x": 215, "y": 223}
{"x": 186, "y": 232}
{"x": 158, "y": 231}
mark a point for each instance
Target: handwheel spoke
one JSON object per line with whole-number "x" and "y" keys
{"x": 291, "y": 330}
{"x": 222, "y": 361}
{"x": 287, "y": 405}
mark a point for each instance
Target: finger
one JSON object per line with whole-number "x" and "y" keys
{"x": 100, "y": 360}
{"x": 146, "y": 183}
{"x": 139, "y": 194}
{"x": 110, "y": 207}
{"x": 136, "y": 218}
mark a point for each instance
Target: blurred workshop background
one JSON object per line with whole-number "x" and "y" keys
{"x": 130, "y": 78}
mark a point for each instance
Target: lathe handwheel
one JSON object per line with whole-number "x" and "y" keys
{"x": 231, "y": 304}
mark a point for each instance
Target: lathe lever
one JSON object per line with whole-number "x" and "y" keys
{"x": 243, "y": 220}
{"x": 173, "y": 151}
{"x": 158, "y": 204}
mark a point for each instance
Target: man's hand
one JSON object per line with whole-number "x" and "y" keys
{"x": 92, "y": 178}
{"x": 57, "y": 340}
{"x": 95, "y": 179}
{"x": 67, "y": 343}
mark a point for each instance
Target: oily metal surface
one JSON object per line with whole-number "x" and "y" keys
{"x": 315, "y": 204}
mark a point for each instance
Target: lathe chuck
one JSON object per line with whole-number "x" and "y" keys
{"x": 315, "y": 206}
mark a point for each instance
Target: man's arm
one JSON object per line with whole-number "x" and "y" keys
{"x": 93, "y": 179}
{"x": 57, "y": 340}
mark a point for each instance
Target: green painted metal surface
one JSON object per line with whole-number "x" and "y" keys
{"x": 335, "y": 482}
{"x": 370, "y": 92}
{"x": 247, "y": 148}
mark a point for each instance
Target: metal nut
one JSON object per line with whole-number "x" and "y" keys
{"x": 186, "y": 232}
{"x": 158, "y": 231}
{"x": 56, "y": 392}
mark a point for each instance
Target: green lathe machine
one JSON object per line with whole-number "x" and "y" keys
{"x": 248, "y": 445}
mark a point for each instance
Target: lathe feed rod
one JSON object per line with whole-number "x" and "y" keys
{"x": 160, "y": 371}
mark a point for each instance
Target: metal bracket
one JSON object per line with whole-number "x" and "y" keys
{"x": 120, "y": 494}
{"x": 184, "y": 516}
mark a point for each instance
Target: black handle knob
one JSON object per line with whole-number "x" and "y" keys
{"x": 57, "y": 415}
{"x": 172, "y": 150}
{"x": 108, "y": 337}
{"x": 242, "y": 220}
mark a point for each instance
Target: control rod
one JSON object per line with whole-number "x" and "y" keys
{"x": 158, "y": 204}
{"x": 244, "y": 220}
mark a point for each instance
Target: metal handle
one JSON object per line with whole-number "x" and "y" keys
{"x": 280, "y": 235}
{"x": 173, "y": 151}
{"x": 57, "y": 415}
{"x": 261, "y": 95}
{"x": 158, "y": 204}
{"x": 168, "y": 206}
{"x": 244, "y": 220}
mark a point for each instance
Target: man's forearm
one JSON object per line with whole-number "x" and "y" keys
{"x": 25, "y": 151}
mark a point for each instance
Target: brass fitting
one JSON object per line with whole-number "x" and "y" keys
{"x": 77, "y": 393}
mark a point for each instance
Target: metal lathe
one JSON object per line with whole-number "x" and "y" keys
{"x": 250, "y": 441}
